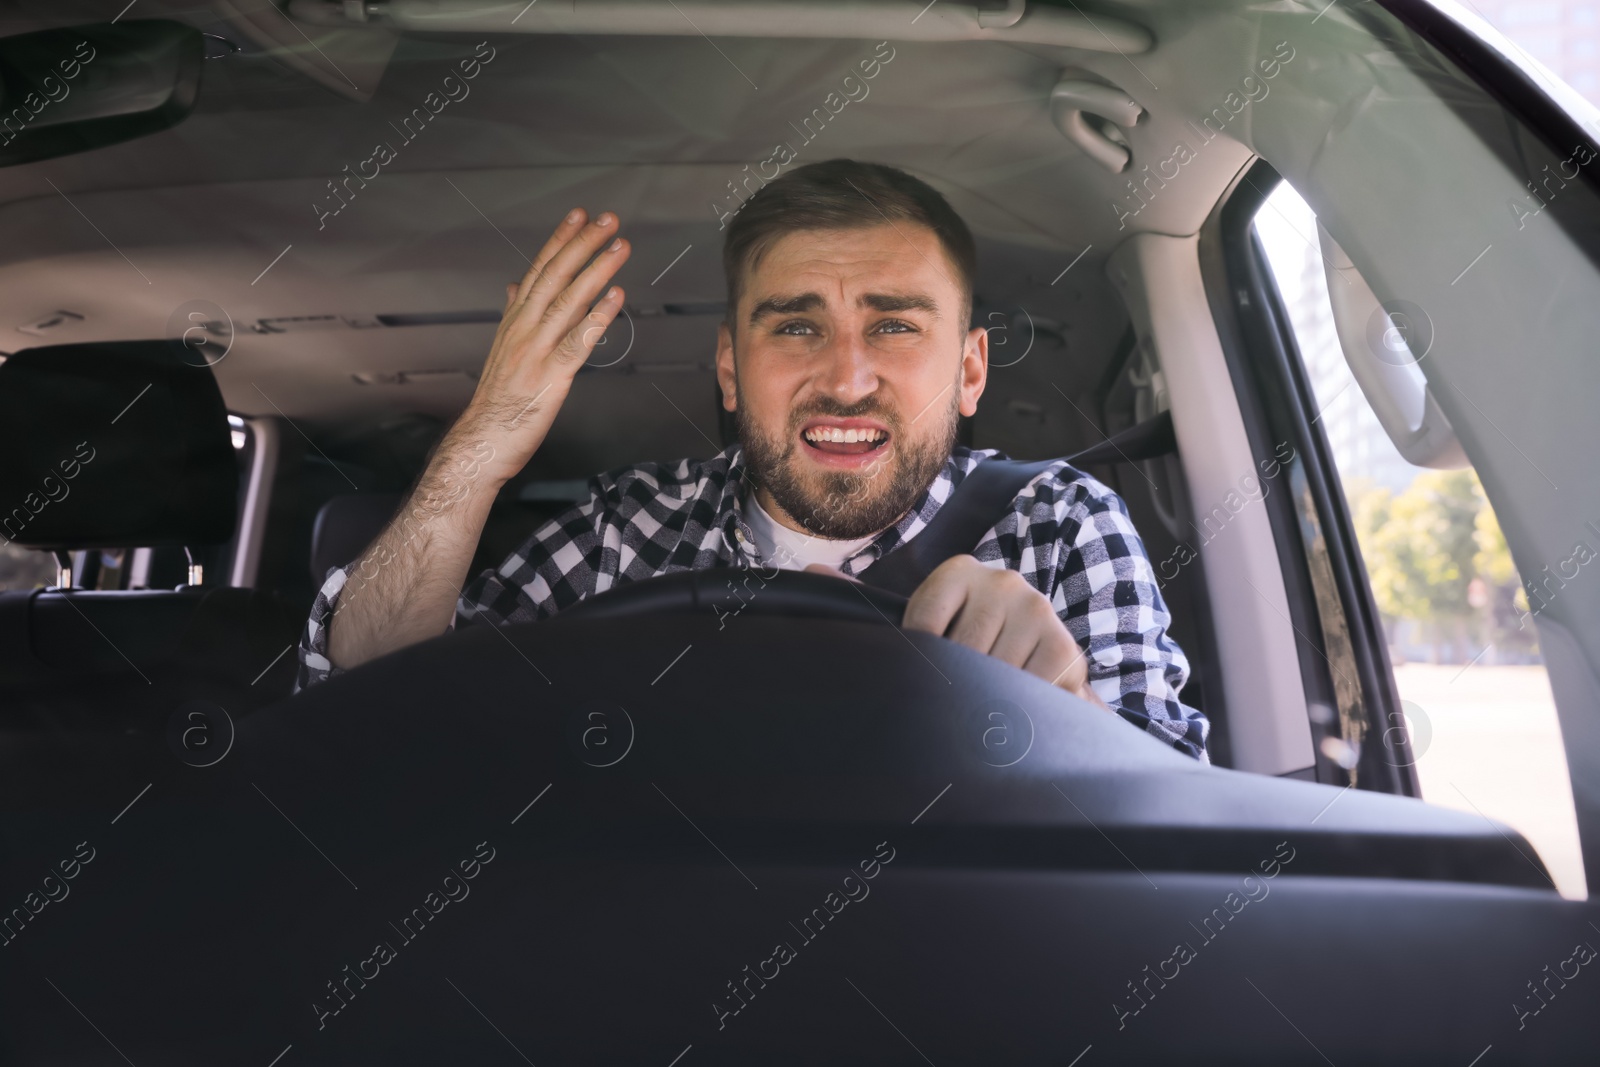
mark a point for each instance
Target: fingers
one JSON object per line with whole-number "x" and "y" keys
{"x": 967, "y": 602}
{"x": 1004, "y": 617}
{"x": 936, "y": 601}
{"x": 565, "y": 230}
{"x": 1060, "y": 662}
{"x": 995, "y": 611}
{"x": 580, "y": 340}
{"x": 568, "y": 306}
{"x": 1026, "y": 635}
{"x": 552, "y": 299}
{"x": 551, "y": 274}
{"x": 979, "y": 623}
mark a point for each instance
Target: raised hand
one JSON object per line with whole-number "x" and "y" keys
{"x": 546, "y": 332}
{"x": 404, "y": 587}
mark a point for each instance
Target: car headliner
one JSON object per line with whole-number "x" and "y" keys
{"x": 653, "y": 128}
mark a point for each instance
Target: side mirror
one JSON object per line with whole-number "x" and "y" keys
{"x": 71, "y": 90}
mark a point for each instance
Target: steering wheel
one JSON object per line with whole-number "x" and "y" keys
{"x": 727, "y": 591}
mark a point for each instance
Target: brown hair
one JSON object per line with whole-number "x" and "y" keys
{"x": 843, "y": 194}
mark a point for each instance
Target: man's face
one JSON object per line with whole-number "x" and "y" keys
{"x": 855, "y": 333}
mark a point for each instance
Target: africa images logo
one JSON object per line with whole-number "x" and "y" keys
{"x": 855, "y": 890}
{"x": 31, "y": 105}
{"x": 855, "y": 90}
{"x": 53, "y": 489}
{"x": 1252, "y": 889}
{"x": 452, "y": 889}
{"x": 1252, "y": 89}
{"x": 411, "y": 126}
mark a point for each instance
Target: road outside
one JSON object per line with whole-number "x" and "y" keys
{"x": 1496, "y": 750}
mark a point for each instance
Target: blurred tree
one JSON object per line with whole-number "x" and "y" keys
{"x": 1370, "y": 505}
{"x": 1507, "y": 600}
{"x": 1421, "y": 549}
{"x": 1493, "y": 559}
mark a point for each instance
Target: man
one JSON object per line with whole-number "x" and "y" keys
{"x": 846, "y": 357}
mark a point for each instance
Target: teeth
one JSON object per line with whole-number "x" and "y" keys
{"x": 824, "y": 433}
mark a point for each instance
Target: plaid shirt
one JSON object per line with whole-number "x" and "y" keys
{"x": 1067, "y": 533}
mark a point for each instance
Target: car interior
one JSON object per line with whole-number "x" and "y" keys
{"x": 242, "y": 326}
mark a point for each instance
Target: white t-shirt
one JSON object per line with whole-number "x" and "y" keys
{"x": 792, "y": 550}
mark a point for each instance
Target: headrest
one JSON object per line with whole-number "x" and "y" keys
{"x": 114, "y": 444}
{"x": 347, "y": 524}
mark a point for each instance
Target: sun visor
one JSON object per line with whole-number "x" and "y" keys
{"x": 112, "y": 445}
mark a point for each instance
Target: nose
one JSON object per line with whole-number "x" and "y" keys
{"x": 845, "y": 369}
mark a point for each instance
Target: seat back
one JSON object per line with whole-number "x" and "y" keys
{"x": 346, "y": 525}
{"x": 113, "y": 444}
{"x": 120, "y": 445}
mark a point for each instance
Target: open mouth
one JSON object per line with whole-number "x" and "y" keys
{"x": 844, "y": 437}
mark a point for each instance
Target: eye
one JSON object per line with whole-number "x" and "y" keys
{"x": 896, "y": 326}
{"x": 794, "y": 328}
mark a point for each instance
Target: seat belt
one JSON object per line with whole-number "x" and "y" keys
{"x": 987, "y": 492}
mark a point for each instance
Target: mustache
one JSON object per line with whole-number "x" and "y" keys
{"x": 835, "y": 410}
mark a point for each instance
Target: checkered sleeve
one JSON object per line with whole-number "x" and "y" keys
{"x": 315, "y": 666}
{"x": 1106, "y": 593}
{"x": 313, "y": 652}
{"x": 564, "y": 560}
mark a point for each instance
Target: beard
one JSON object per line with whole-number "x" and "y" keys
{"x": 845, "y": 505}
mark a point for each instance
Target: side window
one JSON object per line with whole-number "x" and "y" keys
{"x": 25, "y": 568}
{"x": 1459, "y": 628}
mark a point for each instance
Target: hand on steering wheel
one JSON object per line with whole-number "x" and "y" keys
{"x": 995, "y": 611}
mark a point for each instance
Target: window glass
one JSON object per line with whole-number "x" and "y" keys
{"x": 1561, "y": 34}
{"x": 1464, "y": 647}
{"x": 25, "y": 568}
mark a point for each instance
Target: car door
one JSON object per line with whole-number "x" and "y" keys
{"x": 1372, "y": 392}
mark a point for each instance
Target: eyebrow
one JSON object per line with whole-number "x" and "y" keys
{"x": 803, "y": 302}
